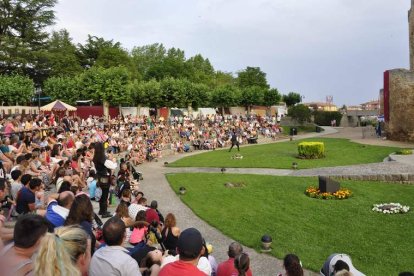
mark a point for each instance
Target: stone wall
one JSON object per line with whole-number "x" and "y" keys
{"x": 401, "y": 105}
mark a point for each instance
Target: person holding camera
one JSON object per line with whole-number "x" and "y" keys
{"x": 104, "y": 168}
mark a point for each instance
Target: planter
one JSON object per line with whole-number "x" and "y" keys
{"x": 182, "y": 190}
{"x": 266, "y": 243}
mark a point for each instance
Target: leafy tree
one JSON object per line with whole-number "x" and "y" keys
{"x": 23, "y": 36}
{"x": 271, "y": 97}
{"x": 292, "y": 98}
{"x": 252, "y": 76}
{"x": 225, "y": 96}
{"x": 252, "y": 95}
{"x": 195, "y": 94}
{"x": 300, "y": 113}
{"x": 172, "y": 92}
{"x": 223, "y": 78}
{"x": 15, "y": 89}
{"x": 89, "y": 52}
{"x": 199, "y": 70}
{"x": 106, "y": 85}
{"x": 146, "y": 93}
{"x": 63, "y": 88}
{"x": 148, "y": 59}
{"x": 62, "y": 55}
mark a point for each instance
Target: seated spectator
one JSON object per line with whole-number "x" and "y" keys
{"x": 58, "y": 208}
{"x": 26, "y": 198}
{"x": 292, "y": 266}
{"x": 16, "y": 184}
{"x": 16, "y": 258}
{"x": 139, "y": 231}
{"x": 66, "y": 252}
{"x": 242, "y": 263}
{"x": 170, "y": 233}
{"x": 113, "y": 259}
{"x": 91, "y": 182}
{"x": 190, "y": 244}
{"x": 329, "y": 265}
{"x": 227, "y": 267}
{"x": 151, "y": 214}
{"x": 81, "y": 213}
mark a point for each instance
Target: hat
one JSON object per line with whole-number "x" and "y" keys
{"x": 189, "y": 244}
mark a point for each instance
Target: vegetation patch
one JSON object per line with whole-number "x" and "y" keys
{"x": 314, "y": 192}
{"x": 404, "y": 152}
{"x": 311, "y": 150}
{"x": 312, "y": 229}
{"x": 338, "y": 152}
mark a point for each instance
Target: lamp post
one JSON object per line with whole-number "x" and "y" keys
{"x": 38, "y": 91}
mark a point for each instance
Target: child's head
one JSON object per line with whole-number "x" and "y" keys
{"x": 16, "y": 174}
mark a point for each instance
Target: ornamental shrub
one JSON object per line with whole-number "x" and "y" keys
{"x": 311, "y": 150}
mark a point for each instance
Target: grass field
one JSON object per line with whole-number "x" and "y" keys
{"x": 339, "y": 152}
{"x": 379, "y": 244}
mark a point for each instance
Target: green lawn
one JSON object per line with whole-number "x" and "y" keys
{"x": 339, "y": 152}
{"x": 379, "y": 244}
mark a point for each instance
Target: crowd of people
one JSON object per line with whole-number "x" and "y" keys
{"x": 51, "y": 173}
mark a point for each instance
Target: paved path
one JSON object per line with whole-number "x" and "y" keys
{"x": 155, "y": 186}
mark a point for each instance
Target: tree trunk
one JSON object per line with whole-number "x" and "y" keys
{"x": 138, "y": 110}
{"x": 190, "y": 110}
{"x": 222, "y": 111}
{"x": 248, "y": 109}
{"x": 106, "y": 109}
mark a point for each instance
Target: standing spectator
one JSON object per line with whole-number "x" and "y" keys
{"x": 190, "y": 244}
{"x": 234, "y": 141}
{"x": 227, "y": 267}
{"x": 103, "y": 168}
{"x": 26, "y": 198}
{"x": 113, "y": 259}
{"x": 67, "y": 252}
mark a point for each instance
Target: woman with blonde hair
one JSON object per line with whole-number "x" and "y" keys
{"x": 67, "y": 252}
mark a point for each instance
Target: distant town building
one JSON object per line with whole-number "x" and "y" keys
{"x": 371, "y": 105}
{"x": 320, "y": 106}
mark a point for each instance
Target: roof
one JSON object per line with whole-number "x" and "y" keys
{"x": 58, "y": 106}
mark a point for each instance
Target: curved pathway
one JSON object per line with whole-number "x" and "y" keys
{"x": 155, "y": 186}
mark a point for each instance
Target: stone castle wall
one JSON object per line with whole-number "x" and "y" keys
{"x": 401, "y": 105}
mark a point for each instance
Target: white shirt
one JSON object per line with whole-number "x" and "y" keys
{"x": 113, "y": 260}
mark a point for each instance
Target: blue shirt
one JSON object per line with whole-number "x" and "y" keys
{"x": 92, "y": 188}
{"x": 24, "y": 198}
{"x": 56, "y": 214}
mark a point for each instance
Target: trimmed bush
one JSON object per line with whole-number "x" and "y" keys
{"x": 324, "y": 118}
{"x": 404, "y": 152}
{"x": 311, "y": 150}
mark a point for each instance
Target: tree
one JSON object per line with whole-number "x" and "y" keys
{"x": 173, "y": 92}
{"x": 271, "y": 97}
{"x": 292, "y": 98}
{"x": 106, "y": 85}
{"x": 148, "y": 59}
{"x": 223, "y": 79}
{"x": 225, "y": 96}
{"x": 252, "y": 95}
{"x": 146, "y": 93}
{"x": 89, "y": 52}
{"x": 23, "y": 37}
{"x": 195, "y": 95}
{"x": 199, "y": 70}
{"x": 62, "y": 56}
{"x": 300, "y": 113}
{"x": 63, "y": 88}
{"x": 15, "y": 89}
{"x": 252, "y": 76}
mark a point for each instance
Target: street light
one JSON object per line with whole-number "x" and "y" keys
{"x": 38, "y": 91}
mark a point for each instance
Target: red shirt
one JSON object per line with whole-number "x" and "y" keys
{"x": 180, "y": 268}
{"x": 227, "y": 268}
{"x": 151, "y": 215}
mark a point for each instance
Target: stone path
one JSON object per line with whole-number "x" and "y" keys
{"x": 155, "y": 186}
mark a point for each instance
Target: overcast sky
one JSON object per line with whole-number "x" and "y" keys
{"x": 313, "y": 47}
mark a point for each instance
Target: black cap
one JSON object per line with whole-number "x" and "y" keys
{"x": 189, "y": 244}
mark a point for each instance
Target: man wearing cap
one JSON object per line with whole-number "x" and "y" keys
{"x": 189, "y": 248}
{"x": 227, "y": 268}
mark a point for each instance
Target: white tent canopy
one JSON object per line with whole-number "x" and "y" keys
{"x": 58, "y": 106}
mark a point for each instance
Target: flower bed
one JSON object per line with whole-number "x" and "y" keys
{"x": 390, "y": 208}
{"x": 314, "y": 192}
